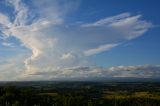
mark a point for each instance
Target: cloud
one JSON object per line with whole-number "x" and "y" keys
{"x": 132, "y": 68}
{"x": 11, "y": 67}
{"x": 99, "y": 49}
{"x": 131, "y": 26}
{"x": 67, "y": 56}
{"x": 31, "y": 36}
{"x": 4, "y": 25}
{"x": 21, "y": 12}
{"x": 59, "y": 49}
{"x": 7, "y": 44}
{"x": 99, "y": 73}
{"x": 140, "y": 71}
{"x": 108, "y": 20}
{"x": 4, "y": 21}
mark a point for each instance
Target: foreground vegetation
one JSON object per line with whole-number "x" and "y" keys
{"x": 76, "y": 94}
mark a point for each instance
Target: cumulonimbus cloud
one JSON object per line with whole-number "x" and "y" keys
{"x": 56, "y": 45}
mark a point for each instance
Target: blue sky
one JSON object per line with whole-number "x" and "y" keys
{"x": 84, "y": 39}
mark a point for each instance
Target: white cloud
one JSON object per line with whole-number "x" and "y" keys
{"x": 138, "y": 67}
{"x": 108, "y": 20}
{"x": 4, "y": 25}
{"x": 67, "y": 56}
{"x": 4, "y": 20}
{"x": 7, "y": 44}
{"x": 38, "y": 42}
{"x": 21, "y": 12}
{"x": 11, "y": 67}
{"x": 99, "y": 73}
{"x": 139, "y": 71}
{"x": 99, "y": 49}
{"x": 60, "y": 50}
{"x": 130, "y": 26}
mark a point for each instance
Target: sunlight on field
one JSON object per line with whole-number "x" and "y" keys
{"x": 49, "y": 94}
{"x": 120, "y": 95}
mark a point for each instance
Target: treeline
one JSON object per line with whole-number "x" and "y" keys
{"x": 12, "y": 96}
{"x": 29, "y": 96}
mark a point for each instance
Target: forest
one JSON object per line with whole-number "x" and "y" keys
{"x": 80, "y": 94}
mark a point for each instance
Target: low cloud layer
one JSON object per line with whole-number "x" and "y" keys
{"x": 59, "y": 49}
{"x": 79, "y": 72}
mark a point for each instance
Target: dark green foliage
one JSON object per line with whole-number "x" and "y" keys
{"x": 83, "y": 95}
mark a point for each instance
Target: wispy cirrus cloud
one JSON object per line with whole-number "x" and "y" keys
{"x": 99, "y": 49}
{"x": 108, "y": 20}
{"x": 131, "y": 26}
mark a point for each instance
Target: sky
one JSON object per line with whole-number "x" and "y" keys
{"x": 79, "y": 39}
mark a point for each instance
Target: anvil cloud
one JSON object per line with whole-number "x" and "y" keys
{"x": 58, "y": 49}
